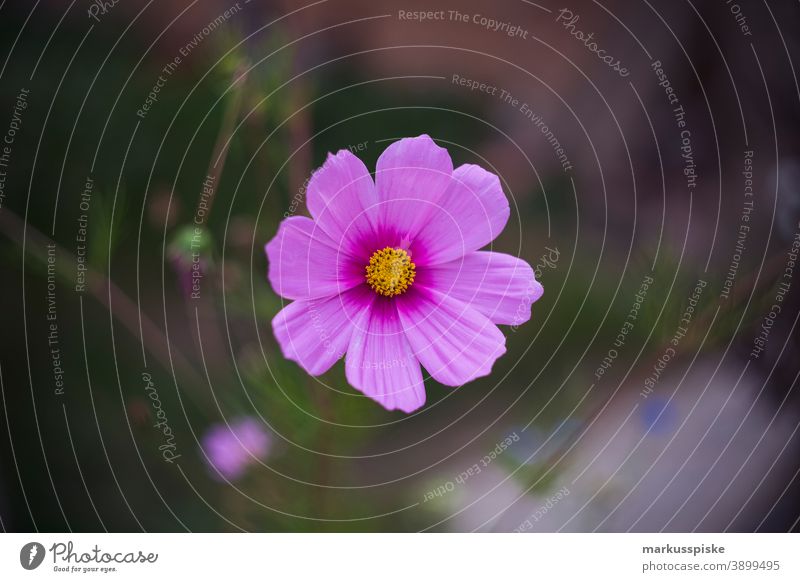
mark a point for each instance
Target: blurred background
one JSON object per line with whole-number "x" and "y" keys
{"x": 650, "y": 154}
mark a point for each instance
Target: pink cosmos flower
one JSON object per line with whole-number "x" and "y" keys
{"x": 389, "y": 272}
{"x": 230, "y": 449}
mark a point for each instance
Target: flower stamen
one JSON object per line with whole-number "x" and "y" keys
{"x": 390, "y": 271}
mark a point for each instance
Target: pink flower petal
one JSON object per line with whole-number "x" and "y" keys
{"x": 379, "y": 360}
{"x": 500, "y": 286}
{"x": 411, "y": 176}
{"x": 304, "y": 262}
{"x": 471, "y": 214}
{"x": 454, "y": 342}
{"x": 316, "y": 332}
{"x": 230, "y": 448}
{"x": 446, "y": 320}
{"x": 341, "y": 197}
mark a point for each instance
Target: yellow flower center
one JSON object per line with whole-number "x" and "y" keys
{"x": 390, "y": 271}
